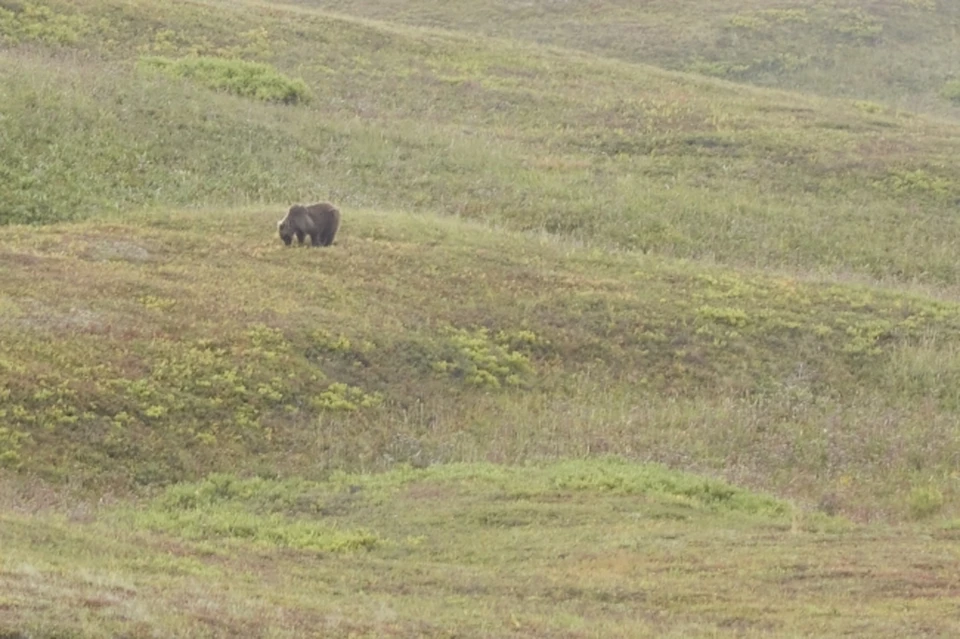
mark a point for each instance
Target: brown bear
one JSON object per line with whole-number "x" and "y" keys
{"x": 319, "y": 221}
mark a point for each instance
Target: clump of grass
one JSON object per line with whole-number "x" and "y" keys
{"x": 618, "y": 476}
{"x": 951, "y": 91}
{"x": 486, "y": 360}
{"x": 327, "y": 342}
{"x": 857, "y": 25}
{"x": 608, "y": 475}
{"x": 10, "y": 443}
{"x": 867, "y": 106}
{"x": 343, "y": 397}
{"x": 31, "y": 21}
{"x": 256, "y": 80}
{"x": 920, "y": 182}
{"x": 219, "y": 508}
{"x": 925, "y": 502}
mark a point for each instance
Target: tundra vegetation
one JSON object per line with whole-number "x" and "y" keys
{"x": 605, "y": 347}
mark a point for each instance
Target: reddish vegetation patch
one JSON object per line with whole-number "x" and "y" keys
{"x": 17, "y": 259}
{"x": 428, "y": 492}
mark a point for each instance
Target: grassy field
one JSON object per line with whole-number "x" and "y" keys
{"x": 563, "y": 278}
{"x": 898, "y": 52}
{"x": 574, "y": 549}
{"x": 190, "y": 342}
{"x": 526, "y": 138}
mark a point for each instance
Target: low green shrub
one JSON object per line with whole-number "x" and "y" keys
{"x": 259, "y": 511}
{"x": 487, "y": 360}
{"x": 248, "y": 79}
{"x": 29, "y": 21}
{"x": 925, "y": 502}
{"x": 951, "y": 91}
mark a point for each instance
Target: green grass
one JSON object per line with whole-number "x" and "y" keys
{"x": 894, "y": 51}
{"x": 195, "y": 342}
{"x": 575, "y": 549}
{"x": 562, "y": 278}
{"x": 246, "y": 79}
{"x": 951, "y": 91}
{"x": 524, "y": 137}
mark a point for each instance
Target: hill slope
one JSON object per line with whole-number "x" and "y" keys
{"x": 610, "y": 153}
{"x": 160, "y": 347}
{"x": 146, "y": 348}
{"x": 578, "y": 549}
{"x": 554, "y": 269}
{"x": 900, "y": 52}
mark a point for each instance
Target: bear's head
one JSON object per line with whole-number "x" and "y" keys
{"x": 286, "y": 226}
{"x": 286, "y": 231}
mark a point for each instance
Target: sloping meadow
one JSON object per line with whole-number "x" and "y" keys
{"x": 170, "y": 345}
{"x": 118, "y": 106}
{"x": 150, "y": 347}
{"x": 563, "y": 549}
{"x": 560, "y": 281}
{"x": 896, "y": 52}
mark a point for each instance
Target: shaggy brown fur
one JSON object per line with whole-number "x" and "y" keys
{"x": 319, "y": 221}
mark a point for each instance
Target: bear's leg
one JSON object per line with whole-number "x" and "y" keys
{"x": 300, "y": 236}
{"x": 315, "y": 239}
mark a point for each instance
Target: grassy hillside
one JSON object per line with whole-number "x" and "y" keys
{"x": 900, "y": 52}
{"x": 564, "y": 550}
{"x": 523, "y": 137}
{"x": 558, "y": 276}
{"x": 146, "y": 348}
{"x": 154, "y": 348}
